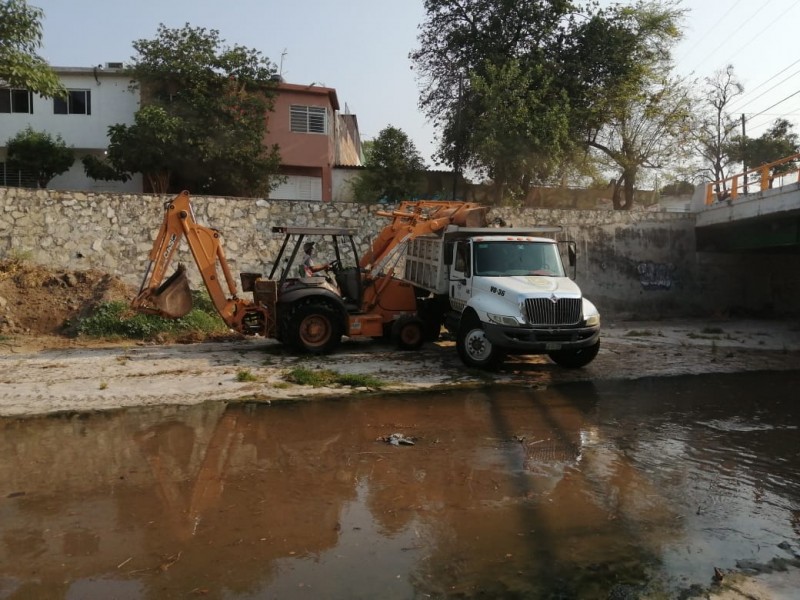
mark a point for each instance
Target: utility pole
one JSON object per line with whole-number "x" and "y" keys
{"x": 744, "y": 156}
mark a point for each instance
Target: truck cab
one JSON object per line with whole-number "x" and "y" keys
{"x": 507, "y": 291}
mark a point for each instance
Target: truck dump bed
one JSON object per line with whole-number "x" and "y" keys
{"x": 426, "y": 265}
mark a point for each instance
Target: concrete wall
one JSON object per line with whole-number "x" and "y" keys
{"x": 631, "y": 264}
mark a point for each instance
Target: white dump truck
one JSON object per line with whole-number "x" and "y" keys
{"x": 503, "y": 291}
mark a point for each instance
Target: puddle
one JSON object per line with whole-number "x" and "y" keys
{"x": 577, "y": 491}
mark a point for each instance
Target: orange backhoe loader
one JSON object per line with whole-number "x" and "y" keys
{"x": 359, "y": 296}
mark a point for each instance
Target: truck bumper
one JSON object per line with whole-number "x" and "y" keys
{"x": 539, "y": 340}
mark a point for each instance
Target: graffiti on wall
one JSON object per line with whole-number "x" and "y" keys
{"x": 655, "y": 276}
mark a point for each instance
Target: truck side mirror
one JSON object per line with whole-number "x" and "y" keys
{"x": 572, "y": 254}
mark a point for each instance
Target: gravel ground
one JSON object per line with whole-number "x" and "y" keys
{"x": 44, "y": 375}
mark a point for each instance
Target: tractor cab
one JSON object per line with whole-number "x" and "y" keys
{"x": 337, "y": 248}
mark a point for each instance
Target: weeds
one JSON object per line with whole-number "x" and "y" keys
{"x": 326, "y": 377}
{"x": 118, "y": 320}
{"x": 712, "y": 331}
{"x": 245, "y": 375}
{"x": 643, "y": 333}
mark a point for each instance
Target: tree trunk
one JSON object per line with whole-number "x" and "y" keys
{"x": 616, "y": 196}
{"x": 629, "y": 190}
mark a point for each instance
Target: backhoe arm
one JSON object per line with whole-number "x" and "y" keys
{"x": 172, "y": 297}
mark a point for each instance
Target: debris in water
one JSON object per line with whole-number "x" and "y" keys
{"x": 398, "y": 439}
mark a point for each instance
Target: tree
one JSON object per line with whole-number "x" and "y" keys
{"x": 516, "y": 125}
{"x": 469, "y": 52}
{"x": 645, "y": 121}
{"x": 717, "y": 128}
{"x": 516, "y": 88}
{"x": 38, "y": 153}
{"x": 151, "y": 146}
{"x": 678, "y": 188}
{"x": 214, "y": 101}
{"x": 646, "y": 131}
{"x": 20, "y": 38}
{"x": 779, "y": 141}
{"x": 393, "y": 169}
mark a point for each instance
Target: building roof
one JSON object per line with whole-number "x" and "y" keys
{"x": 312, "y": 90}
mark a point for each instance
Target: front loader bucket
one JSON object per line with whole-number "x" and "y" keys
{"x": 173, "y": 298}
{"x": 476, "y": 217}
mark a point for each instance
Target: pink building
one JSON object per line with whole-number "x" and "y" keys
{"x": 314, "y": 139}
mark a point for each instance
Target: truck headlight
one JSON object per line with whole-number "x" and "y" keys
{"x": 506, "y": 320}
{"x": 592, "y": 320}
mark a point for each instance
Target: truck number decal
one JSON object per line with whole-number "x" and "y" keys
{"x": 498, "y": 291}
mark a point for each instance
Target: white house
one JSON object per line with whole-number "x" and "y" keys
{"x": 98, "y": 97}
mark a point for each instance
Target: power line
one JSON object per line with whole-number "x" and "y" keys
{"x": 773, "y": 77}
{"x": 732, "y": 33}
{"x": 774, "y": 105}
{"x": 738, "y": 107}
{"x": 702, "y": 38}
{"x": 752, "y": 39}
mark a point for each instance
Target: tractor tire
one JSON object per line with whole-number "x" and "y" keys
{"x": 314, "y": 328}
{"x": 575, "y": 359}
{"x": 408, "y": 332}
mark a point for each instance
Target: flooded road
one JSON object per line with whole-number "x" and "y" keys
{"x": 586, "y": 490}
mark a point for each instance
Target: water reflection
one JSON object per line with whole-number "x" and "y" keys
{"x": 575, "y": 491}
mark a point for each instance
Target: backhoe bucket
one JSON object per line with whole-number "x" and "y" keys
{"x": 173, "y": 298}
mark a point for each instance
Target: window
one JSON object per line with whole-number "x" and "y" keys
{"x": 309, "y": 119}
{"x": 16, "y": 101}
{"x": 77, "y": 102}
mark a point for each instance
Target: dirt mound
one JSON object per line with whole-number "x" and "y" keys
{"x": 37, "y": 300}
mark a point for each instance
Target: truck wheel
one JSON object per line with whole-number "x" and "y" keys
{"x": 575, "y": 359}
{"x": 315, "y": 328}
{"x": 408, "y": 332}
{"x": 475, "y": 349}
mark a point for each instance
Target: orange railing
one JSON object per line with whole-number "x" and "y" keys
{"x": 744, "y": 183}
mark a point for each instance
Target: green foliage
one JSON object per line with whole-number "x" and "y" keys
{"x": 515, "y": 89}
{"x": 779, "y": 141}
{"x": 393, "y": 169}
{"x": 326, "y": 377}
{"x": 20, "y": 38}
{"x": 678, "y": 188}
{"x": 117, "y": 320}
{"x": 150, "y": 146}
{"x": 515, "y": 116}
{"x": 647, "y": 119}
{"x": 205, "y": 118}
{"x": 245, "y": 375}
{"x": 38, "y": 153}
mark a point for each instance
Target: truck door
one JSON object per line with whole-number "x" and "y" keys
{"x": 461, "y": 276}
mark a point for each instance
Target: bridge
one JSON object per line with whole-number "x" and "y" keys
{"x": 754, "y": 211}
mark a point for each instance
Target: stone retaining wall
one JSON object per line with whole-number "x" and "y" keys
{"x": 637, "y": 264}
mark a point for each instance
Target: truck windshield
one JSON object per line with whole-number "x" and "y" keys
{"x": 507, "y": 258}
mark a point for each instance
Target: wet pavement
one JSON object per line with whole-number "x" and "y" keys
{"x": 623, "y": 489}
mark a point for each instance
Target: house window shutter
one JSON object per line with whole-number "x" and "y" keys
{"x": 308, "y": 119}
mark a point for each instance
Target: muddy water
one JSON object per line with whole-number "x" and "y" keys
{"x": 580, "y": 491}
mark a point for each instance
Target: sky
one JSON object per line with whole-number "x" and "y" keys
{"x": 361, "y": 48}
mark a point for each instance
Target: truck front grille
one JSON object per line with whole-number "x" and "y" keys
{"x": 543, "y": 311}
